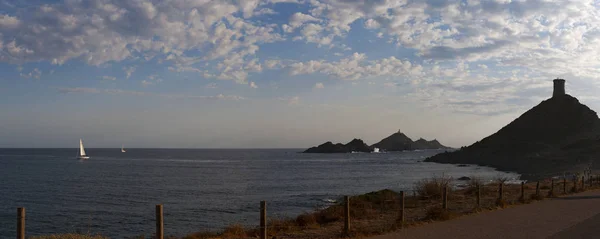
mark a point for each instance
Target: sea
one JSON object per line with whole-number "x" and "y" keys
{"x": 114, "y": 194}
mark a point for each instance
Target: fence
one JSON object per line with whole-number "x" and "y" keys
{"x": 397, "y": 210}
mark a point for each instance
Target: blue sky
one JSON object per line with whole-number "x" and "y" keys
{"x": 284, "y": 73}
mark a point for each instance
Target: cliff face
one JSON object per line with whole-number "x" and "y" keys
{"x": 555, "y": 136}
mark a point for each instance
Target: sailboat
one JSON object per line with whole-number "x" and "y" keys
{"x": 123, "y": 149}
{"x": 82, "y": 154}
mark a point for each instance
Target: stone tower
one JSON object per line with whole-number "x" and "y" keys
{"x": 559, "y": 87}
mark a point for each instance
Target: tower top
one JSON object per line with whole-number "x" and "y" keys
{"x": 559, "y": 87}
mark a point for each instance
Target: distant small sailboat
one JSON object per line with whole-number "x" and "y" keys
{"x": 82, "y": 154}
{"x": 123, "y": 149}
{"x": 376, "y": 150}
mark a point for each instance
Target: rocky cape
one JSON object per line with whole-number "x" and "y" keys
{"x": 395, "y": 142}
{"x": 558, "y": 136}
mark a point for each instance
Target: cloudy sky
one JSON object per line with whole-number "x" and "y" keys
{"x": 284, "y": 73}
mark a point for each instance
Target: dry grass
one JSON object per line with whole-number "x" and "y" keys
{"x": 438, "y": 214}
{"x": 68, "y": 236}
{"x": 432, "y": 188}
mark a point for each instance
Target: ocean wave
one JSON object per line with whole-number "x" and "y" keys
{"x": 328, "y": 200}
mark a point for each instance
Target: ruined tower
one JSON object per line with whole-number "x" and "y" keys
{"x": 559, "y": 87}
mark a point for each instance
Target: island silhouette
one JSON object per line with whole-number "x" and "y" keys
{"x": 396, "y": 142}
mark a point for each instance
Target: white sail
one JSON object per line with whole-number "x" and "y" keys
{"x": 81, "y": 149}
{"x": 122, "y": 149}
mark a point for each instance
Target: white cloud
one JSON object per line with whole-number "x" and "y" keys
{"x": 146, "y": 83}
{"x": 319, "y": 86}
{"x": 9, "y": 22}
{"x": 253, "y": 85}
{"x": 143, "y": 93}
{"x": 297, "y": 19}
{"x": 265, "y": 11}
{"x": 211, "y": 86}
{"x": 357, "y": 67}
{"x": 272, "y": 64}
{"x": 128, "y": 71}
{"x": 116, "y": 30}
{"x": 35, "y": 73}
{"x": 152, "y": 80}
{"x": 111, "y": 78}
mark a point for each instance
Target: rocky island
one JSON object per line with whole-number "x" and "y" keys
{"x": 395, "y": 142}
{"x": 558, "y": 136}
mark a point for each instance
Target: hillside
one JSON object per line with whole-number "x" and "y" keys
{"x": 556, "y": 136}
{"x": 399, "y": 142}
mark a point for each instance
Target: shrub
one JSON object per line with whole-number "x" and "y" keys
{"x": 432, "y": 188}
{"x": 280, "y": 225}
{"x": 330, "y": 214}
{"x": 234, "y": 231}
{"x": 501, "y": 203}
{"x": 307, "y": 220}
{"x": 472, "y": 185}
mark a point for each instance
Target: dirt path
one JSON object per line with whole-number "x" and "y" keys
{"x": 573, "y": 216}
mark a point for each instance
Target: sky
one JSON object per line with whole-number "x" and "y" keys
{"x": 284, "y": 73}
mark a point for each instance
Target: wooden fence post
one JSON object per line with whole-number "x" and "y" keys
{"x": 263, "y": 219}
{"x": 346, "y": 215}
{"x": 522, "y": 198}
{"x": 537, "y": 189}
{"x": 478, "y": 196}
{"x": 445, "y": 198}
{"x": 500, "y": 194}
{"x": 590, "y": 180}
{"x": 159, "y": 222}
{"x": 401, "y": 219}
{"x": 551, "y": 193}
{"x": 21, "y": 223}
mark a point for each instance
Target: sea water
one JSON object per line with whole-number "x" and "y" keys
{"x": 114, "y": 194}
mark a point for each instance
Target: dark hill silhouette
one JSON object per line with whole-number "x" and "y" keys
{"x": 356, "y": 145}
{"x": 399, "y": 142}
{"x": 556, "y": 136}
{"x": 395, "y": 142}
